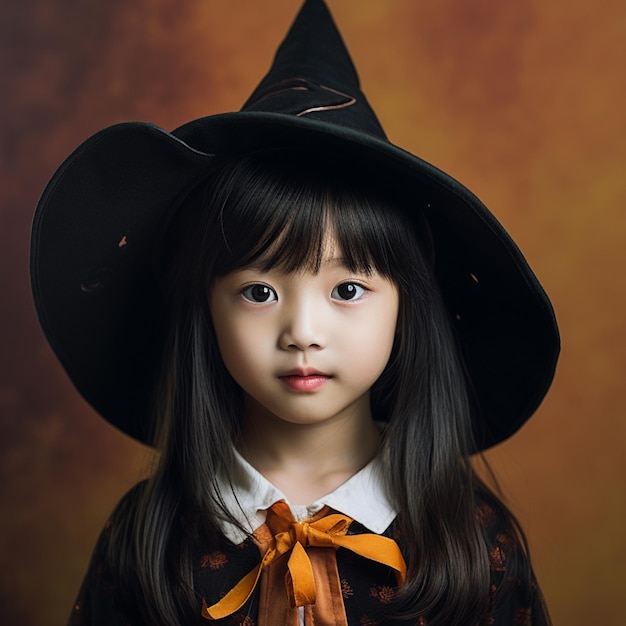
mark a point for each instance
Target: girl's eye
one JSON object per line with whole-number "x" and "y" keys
{"x": 348, "y": 291}
{"x": 259, "y": 294}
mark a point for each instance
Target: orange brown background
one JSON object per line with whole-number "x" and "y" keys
{"x": 523, "y": 101}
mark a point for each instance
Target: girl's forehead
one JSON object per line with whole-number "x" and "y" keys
{"x": 327, "y": 252}
{"x": 331, "y": 258}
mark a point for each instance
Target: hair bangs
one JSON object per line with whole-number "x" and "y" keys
{"x": 284, "y": 211}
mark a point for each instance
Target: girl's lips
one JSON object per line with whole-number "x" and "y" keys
{"x": 311, "y": 382}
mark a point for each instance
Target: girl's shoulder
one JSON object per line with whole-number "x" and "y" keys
{"x": 515, "y": 594}
{"x": 494, "y": 518}
{"x": 96, "y": 604}
{"x": 127, "y": 504}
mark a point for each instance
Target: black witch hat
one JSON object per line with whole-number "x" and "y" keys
{"x": 96, "y": 226}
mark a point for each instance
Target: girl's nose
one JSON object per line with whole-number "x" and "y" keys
{"x": 302, "y": 328}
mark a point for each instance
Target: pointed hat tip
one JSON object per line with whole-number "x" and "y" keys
{"x": 314, "y": 47}
{"x": 312, "y": 74}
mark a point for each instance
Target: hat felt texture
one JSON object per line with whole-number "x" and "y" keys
{"x": 98, "y": 222}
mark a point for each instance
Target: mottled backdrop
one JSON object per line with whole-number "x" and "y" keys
{"x": 524, "y": 101}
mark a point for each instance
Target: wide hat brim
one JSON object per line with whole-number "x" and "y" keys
{"x": 99, "y": 221}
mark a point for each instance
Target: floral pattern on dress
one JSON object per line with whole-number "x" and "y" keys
{"x": 346, "y": 590}
{"x": 383, "y": 593}
{"x": 214, "y": 560}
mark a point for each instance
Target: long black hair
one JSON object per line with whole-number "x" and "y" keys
{"x": 275, "y": 209}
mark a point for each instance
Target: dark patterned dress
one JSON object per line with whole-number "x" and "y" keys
{"x": 367, "y": 587}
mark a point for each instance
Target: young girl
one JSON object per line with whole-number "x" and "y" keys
{"x": 316, "y": 330}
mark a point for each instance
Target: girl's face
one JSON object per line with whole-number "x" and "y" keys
{"x": 305, "y": 346}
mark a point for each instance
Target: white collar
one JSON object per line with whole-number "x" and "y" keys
{"x": 362, "y": 497}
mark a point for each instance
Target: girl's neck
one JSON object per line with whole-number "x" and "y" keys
{"x": 308, "y": 461}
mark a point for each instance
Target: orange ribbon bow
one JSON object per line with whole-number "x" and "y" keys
{"x": 327, "y": 531}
